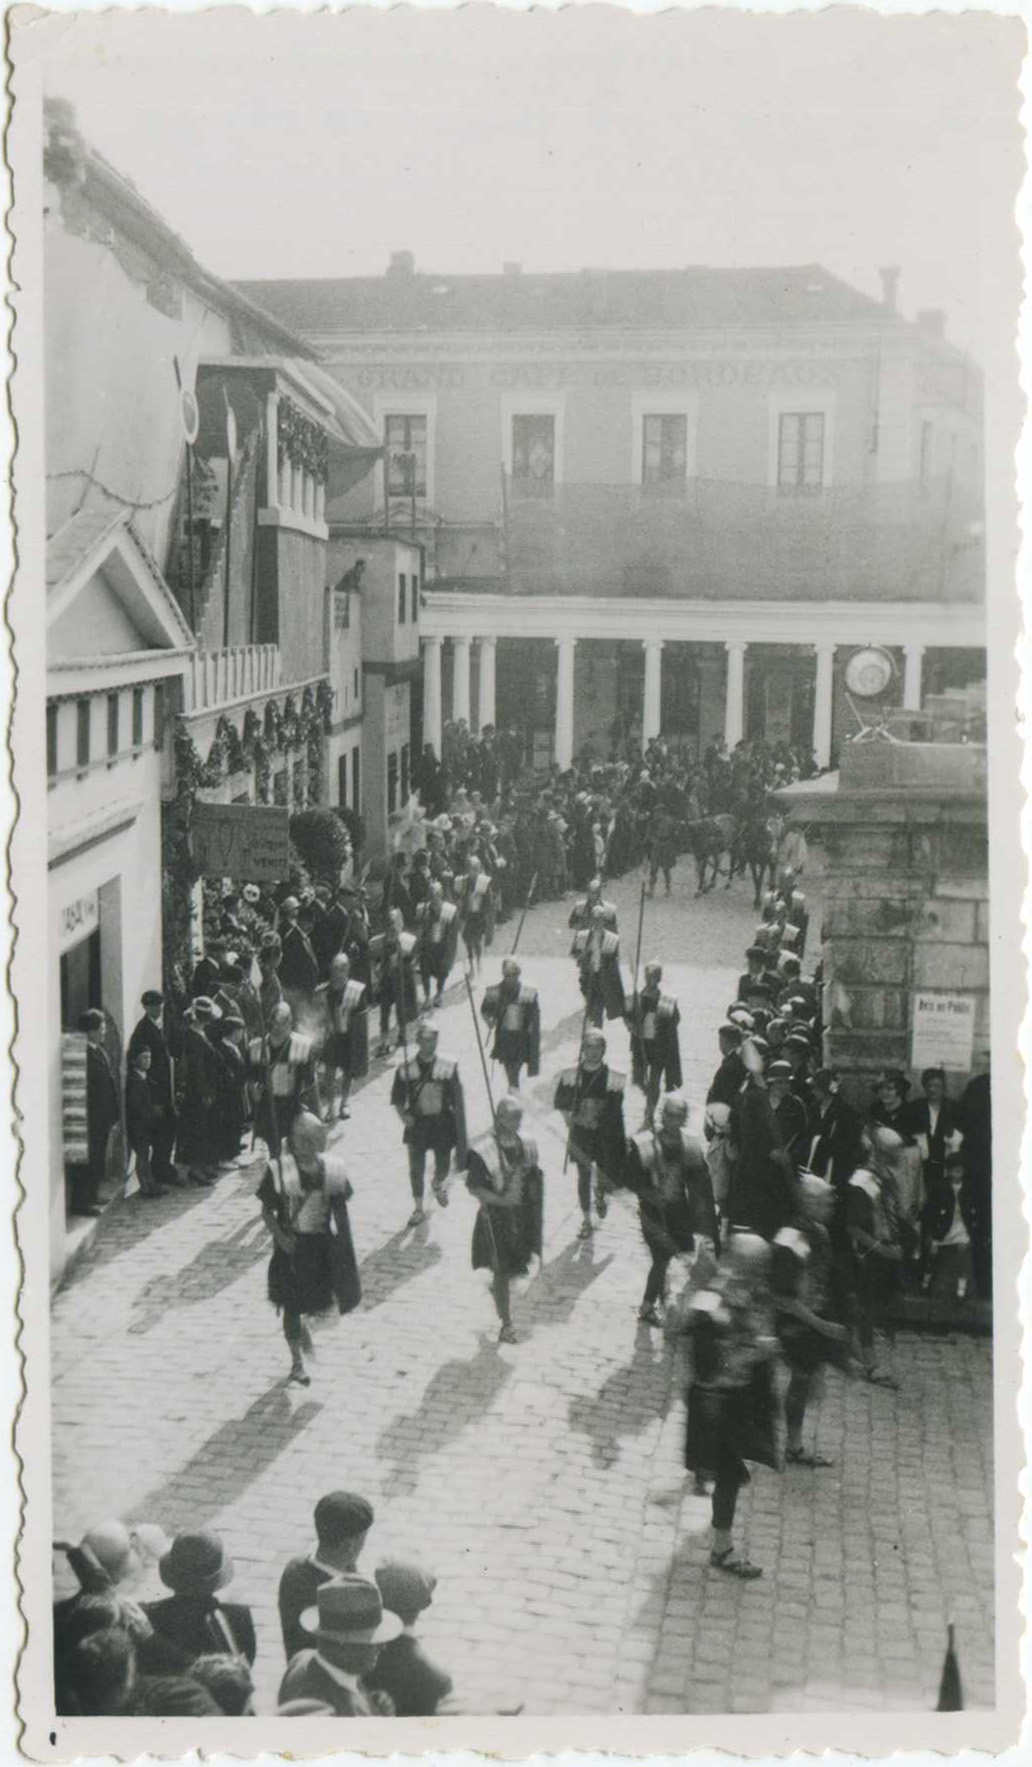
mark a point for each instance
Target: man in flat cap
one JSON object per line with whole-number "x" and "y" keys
{"x": 149, "y": 1032}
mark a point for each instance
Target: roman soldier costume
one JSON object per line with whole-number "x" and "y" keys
{"x": 654, "y": 1018}
{"x": 675, "y": 1204}
{"x": 591, "y": 1099}
{"x": 505, "y": 1179}
{"x": 580, "y": 914}
{"x": 392, "y": 954}
{"x": 284, "y": 1083}
{"x": 437, "y": 935}
{"x": 596, "y": 953}
{"x": 344, "y": 1030}
{"x": 514, "y": 1010}
{"x": 313, "y": 1267}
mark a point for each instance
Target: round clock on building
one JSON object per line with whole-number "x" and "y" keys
{"x": 869, "y": 672}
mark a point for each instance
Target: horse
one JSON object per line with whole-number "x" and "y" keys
{"x": 708, "y": 838}
{"x": 756, "y": 841}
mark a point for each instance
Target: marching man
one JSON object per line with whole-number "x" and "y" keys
{"x": 515, "y": 1012}
{"x": 344, "y": 1032}
{"x": 596, "y": 952}
{"x": 392, "y": 954}
{"x": 313, "y": 1268}
{"x": 284, "y": 1062}
{"x": 582, "y": 912}
{"x": 667, "y": 1170}
{"x": 427, "y": 1095}
{"x": 437, "y": 935}
{"x": 590, "y": 1097}
{"x": 654, "y": 1018}
{"x": 475, "y": 902}
{"x": 504, "y": 1177}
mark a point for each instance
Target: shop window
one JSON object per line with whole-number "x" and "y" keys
{"x": 664, "y": 448}
{"x": 356, "y": 765}
{"x": 342, "y": 780}
{"x": 52, "y": 752}
{"x": 402, "y": 595}
{"x": 801, "y": 451}
{"x": 82, "y": 732}
{"x": 415, "y": 596}
{"x": 137, "y": 717}
{"x": 533, "y": 453}
{"x": 405, "y": 437}
{"x": 392, "y": 782}
{"x": 112, "y": 725}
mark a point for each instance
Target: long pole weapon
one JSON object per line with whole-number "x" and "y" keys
{"x": 494, "y": 1117}
{"x": 577, "y": 1084}
{"x": 636, "y": 1026}
{"x": 523, "y": 916}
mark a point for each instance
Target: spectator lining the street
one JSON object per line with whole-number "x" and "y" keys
{"x": 342, "y": 1523}
{"x": 415, "y": 1685}
{"x": 350, "y": 1627}
{"x": 194, "y": 1618}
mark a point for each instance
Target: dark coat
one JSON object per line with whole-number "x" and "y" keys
{"x": 299, "y": 1586}
{"x": 147, "y": 1035}
{"x": 594, "y": 1101}
{"x": 142, "y": 1111}
{"x": 102, "y": 1106}
{"x": 675, "y": 1203}
{"x": 189, "y": 1623}
{"x": 762, "y": 1196}
{"x": 728, "y": 1080}
{"x": 299, "y": 968}
{"x": 659, "y": 1014}
{"x": 307, "y": 1679}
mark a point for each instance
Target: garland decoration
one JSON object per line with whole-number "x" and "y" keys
{"x": 301, "y": 441}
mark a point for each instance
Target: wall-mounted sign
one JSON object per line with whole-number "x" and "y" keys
{"x": 247, "y": 842}
{"x": 78, "y": 920}
{"x": 943, "y": 1031}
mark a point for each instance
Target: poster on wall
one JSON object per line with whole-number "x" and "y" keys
{"x": 943, "y": 1031}
{"x": 248, "y": 842}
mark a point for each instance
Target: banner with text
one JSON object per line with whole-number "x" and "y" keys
{"x": 247, "y": 842}
{"x": 943, "y": 1031}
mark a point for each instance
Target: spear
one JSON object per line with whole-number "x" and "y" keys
{"x": 577, "y": 1084}
{"x": 523, "y": 916}
{"x": 636, "y": 1025}
{"x": 487, "y": 1083}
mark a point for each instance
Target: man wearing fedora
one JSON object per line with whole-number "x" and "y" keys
{"x": 350, "y": 1627}
{"x": 193, "y": 1619}
{"x": 203, "y": 1078}
{"x": 150, "y": 1033}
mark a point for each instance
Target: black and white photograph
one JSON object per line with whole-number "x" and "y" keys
{"x": 516, "y": 875}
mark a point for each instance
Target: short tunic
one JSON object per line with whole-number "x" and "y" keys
{"x": 302, "y": 1281}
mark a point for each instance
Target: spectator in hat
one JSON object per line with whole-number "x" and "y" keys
{"x": 730, "y": 1076}
{"x": 789, "y": 1111}
{"x": 299, "y": 966}
{"x": 416, "y": 1685}
{"x": 193, "y": 1618}
{"x": 103, "y": 1113}
{"x": 208, "y": 970}
{"x": 270, "y": 990}
{"x": 834, "y": 1130}
{"x": 350, "y": 1628}
{"x": 949, "y": 1221}
{"x": 94, "y": 1678}
{"x": 342, "y": 1522}
{"x": 141, "y": 1121}
{"x": 752, "y": 980}
{"x": 762, "y": 1197}
{"x": 233, "y": 1104}
{"x": 198, "y": 1122}
{"x": 935, "y": 1125}
{"x": 150, "y": 1032}
{"x": 171, "y": 1696}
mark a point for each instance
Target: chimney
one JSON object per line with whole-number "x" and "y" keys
{"x": 933, "y": 321}
{"x": 402, "y": 264}
{"x": 889, "y": 274}
{"x": 511, "y": 268}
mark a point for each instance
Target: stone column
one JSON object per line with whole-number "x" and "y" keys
{"x": 822, "y": 703}
{"x": 486, "y": 697}
{"x": 566, "y": 650}
{"x": 272, "y": 476}
{"x": 651, "y": 717}
{"x": 734, "y": 705}
{"x": 914, "y": 656}
{"x": 432, "y": 693}
{"x": 460, "y": 679}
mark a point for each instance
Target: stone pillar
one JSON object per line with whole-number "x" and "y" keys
{"x": 824, "y": 687}
{"x": 565, "y": 652}
{"x": 272, "y": 475}
{"x": 914, "y": 656}
{"x": 432, "y": 693}
{"x": 651, "y": 717}
{"x": 486, "y": 697}
{"x": 734, "y": 705}
{"x": 460, "y": 679}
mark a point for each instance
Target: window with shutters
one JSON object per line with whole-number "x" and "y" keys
{"x": 664, "y": 448}
{"x": 137, "y": 717}
{"x": 52, "y": 751}
{"x": 405, "y": 436}
{"x": 402, "y": 597}
{"x": 801, "y": 451}
{"x": 83, "y": 710}
{"x": 533, "y": 453}
{"x": 112, "y": 725}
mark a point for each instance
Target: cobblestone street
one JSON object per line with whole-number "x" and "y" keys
{"x": 541, "y": 1482}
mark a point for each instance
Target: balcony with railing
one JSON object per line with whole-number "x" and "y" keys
{"x": 711, "y": 540}
{"x": 219, "y": 678}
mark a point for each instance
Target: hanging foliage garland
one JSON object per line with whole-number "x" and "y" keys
{"x": 301, "y": 441}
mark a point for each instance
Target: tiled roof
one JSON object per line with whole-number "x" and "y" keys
{"x": 641, "y": 299}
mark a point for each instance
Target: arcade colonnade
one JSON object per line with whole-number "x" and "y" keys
{"x": 464, "y": 620}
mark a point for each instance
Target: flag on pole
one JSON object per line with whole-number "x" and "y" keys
{"x": 951, "y": 1693}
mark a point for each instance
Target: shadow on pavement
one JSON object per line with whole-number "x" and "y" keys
{"x": 216, "y": 1266}
{"x": 551, "y": 1296}
{"x": 456, "y": 1396}
{"x": 231, "y": 1459}
{"x": 125, "y": 1224}
{"x": 628, "y": 1400}
{"x": 399, "y": 1260}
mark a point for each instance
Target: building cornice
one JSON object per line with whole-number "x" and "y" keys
{"x": 453, "y": 614}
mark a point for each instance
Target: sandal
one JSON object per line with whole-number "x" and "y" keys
{"x": 800, "y": 1457}
{"x": 507, "y": 1335}
{"x": 299, "y": 1376}
{"x": 735, "y": 1564}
